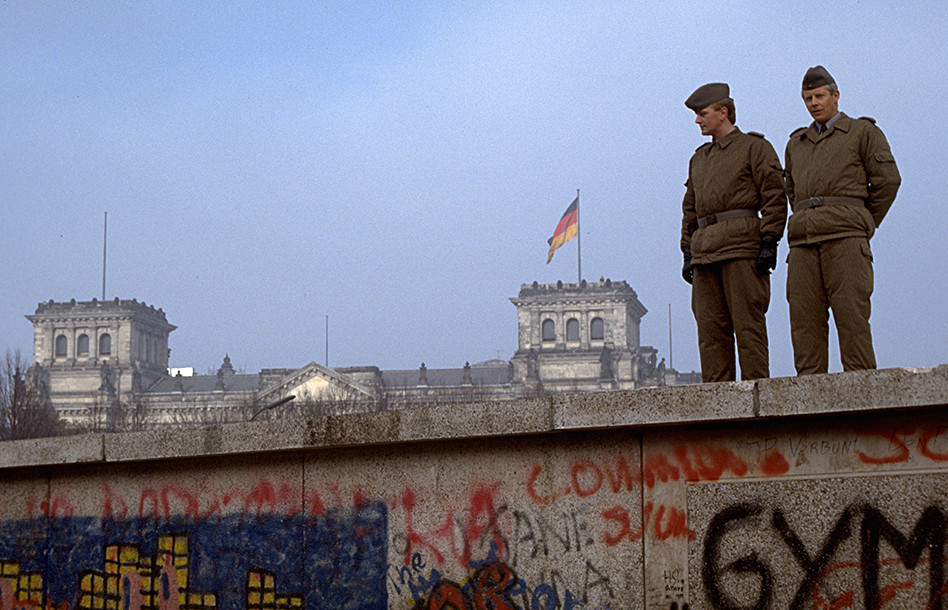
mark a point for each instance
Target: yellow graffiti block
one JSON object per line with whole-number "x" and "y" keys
{"x": 181, "y": 545}
{"x": 253, "y": 579}
{"x": 269, "y": 598}
{"x": 129, "y": 556}
{"x": 9, "y": 568}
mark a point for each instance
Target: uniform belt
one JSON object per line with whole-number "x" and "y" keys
{"x": 710, "y": 219}
{"x": 815, "y": 202}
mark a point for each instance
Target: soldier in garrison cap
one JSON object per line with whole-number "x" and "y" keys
{"x": 733, "y": 215}
{"x": 841, "y": 179}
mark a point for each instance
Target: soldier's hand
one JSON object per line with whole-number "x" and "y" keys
{"x": 767, "y": 259}
{"x": 688, "y": 270}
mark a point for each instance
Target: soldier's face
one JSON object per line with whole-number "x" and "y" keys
{"x": 821, "y": 104}
{"x": 710, "y": 120}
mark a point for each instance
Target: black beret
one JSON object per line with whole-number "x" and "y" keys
{"x": 817, "y": 76}
{"x": 705, "y": 95}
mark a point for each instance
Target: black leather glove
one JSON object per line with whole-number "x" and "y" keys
{"x": 767, "y": 259}
{"x": 688, "y": 270}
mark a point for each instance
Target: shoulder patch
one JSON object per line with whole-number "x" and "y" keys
{"x": 868, "y": 118}
{"x": 797, "y": 130}
{"x": 756, "y": 133}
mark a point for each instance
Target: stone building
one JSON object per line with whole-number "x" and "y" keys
{"x": 105, "y": 363}
{"x": 585, "y": 336}
{"x": 89, "y": 354}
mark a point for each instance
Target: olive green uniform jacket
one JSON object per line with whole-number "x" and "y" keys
{"x": 852, "y": 159}
{"x": 739, "y": 171}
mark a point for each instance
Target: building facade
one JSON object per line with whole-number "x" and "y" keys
{"x": 105, "y": 363}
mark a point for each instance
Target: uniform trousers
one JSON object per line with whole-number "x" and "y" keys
{"x": 730, "y": 298}
{"x": 837, "y": 275}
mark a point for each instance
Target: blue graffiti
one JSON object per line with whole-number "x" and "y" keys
{"x": 334, "y": 561}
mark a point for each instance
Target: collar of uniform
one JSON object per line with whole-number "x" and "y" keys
{"x": 840, "y": 121}
{"x": 728, "y": 138}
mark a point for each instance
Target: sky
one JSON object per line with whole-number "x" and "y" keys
{"x": 396, "y": 168}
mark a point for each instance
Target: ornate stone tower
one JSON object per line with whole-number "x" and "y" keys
{"x": 581, "y": 336}
{"x": 97, "y": 352}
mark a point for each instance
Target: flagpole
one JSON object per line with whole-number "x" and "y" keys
{"x": 579, "y": 256}
{"x": 105, "y": 235}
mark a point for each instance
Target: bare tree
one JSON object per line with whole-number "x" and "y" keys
{"x": 25, "y": 409}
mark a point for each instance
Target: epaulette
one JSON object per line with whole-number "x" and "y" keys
{"x": 755, "y": 133}
{"x": 797, "y": 130}
{"x": 868, "y": 118}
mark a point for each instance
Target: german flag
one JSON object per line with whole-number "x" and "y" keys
{"x": 565, "y": 228}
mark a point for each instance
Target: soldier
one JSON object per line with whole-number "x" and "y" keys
{"x": 841, "y": 179}
{"x": 733, "y": 215}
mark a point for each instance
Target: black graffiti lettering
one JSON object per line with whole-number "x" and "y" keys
{"x": 928, "y": 533}
{"x": 599, "y": 580}
{"x": 548, "y": 529}
{"x": 813, "y": 567}
{"x": 724, "y": 521}
{"x": 523, "y": 534}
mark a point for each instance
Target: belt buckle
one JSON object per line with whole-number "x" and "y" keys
{"x": 816, "y": 202}
{"x": 711, "y": 219}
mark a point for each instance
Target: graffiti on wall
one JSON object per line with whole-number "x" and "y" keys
{"x": 198, "y": 558}
{"x": 823, "y": 579}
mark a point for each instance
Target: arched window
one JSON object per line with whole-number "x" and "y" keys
{"x": 597, "y": 330}
{"x": 572, "y": 329}
{"x": 61, "y": 346}
{"x": 549, "y": 330}
{"x": 105, "y": 344}
{"x": 82, "y": 345}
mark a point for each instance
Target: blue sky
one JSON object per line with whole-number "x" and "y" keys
{"x": 399, "y": 166}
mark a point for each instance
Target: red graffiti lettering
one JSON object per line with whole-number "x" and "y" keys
{"x": 115, "y": 505}
{"x": 59, "y": 507}
{"x": 531, "y": 488}
{"x": 622, "y": 475}
{"x": 188, "y": 498}
{"x": 580, "y": 468}
{"x": 414, "y": 538}
{"x": 267, "y": 498}
{"x": 895, "y": 441}
{"x": 657, "y": 465}
{"x": 446, "y": 596}
{"x": 926, "y": 437}
{"x": 709, "y": 462}
{"x": 622, "y": 516}
{"x": 491, "y": 583}
{"x": 676, "y": 526}
{"x": 774, "y": 464}
{"x": 481, "y": 521}
{"x": 148, "y": 495}
{"x": 316, "y": 506}
{"x": 489, "y": 590}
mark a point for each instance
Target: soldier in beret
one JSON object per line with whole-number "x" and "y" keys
{"x": 841, "y": 179}
{"x": 733, "y": 215}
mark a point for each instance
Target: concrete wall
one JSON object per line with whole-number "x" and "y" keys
{"x": 820, "y": 492}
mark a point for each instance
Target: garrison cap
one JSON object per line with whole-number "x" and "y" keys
{"x": 815, "y": 77}
{"x": 705, "y": 95}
